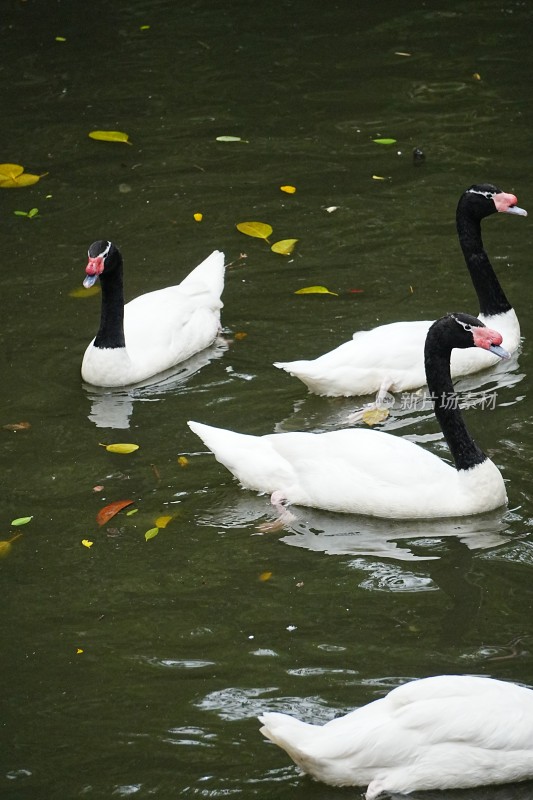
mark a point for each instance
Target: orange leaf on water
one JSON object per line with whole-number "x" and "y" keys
{"x": 108, "y": 512}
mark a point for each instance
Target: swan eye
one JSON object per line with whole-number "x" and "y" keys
{"x": 466, "y": 325}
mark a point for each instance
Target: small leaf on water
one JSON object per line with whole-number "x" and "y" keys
{"x": 60, "y": 39}
{"x": 384, "y": 141}
{"x": 261, "y": 230}
{"x": 284, "y": 247}
{"x": 373, "y": 416}
{"x": 20, "y": 213}
{"x": 144, "y": 27}
{"x": 198, "y": 216}
{"x": 79, "y": 650}
{"x": 399, "y": 53}
{"x": 108, "y": 512}
{"x": 17, "y": 177}
{"x": 240, "y": 335}
{"x": 21, "y": 520}
{"x": 231, "y": 139}
{"x": 33, "y": 212}
{"x": 87, "y": 543}
{"x": 98, "y": 488}
{"x": 183, "y": 461}
{"x": 120, "y": 447}
{"x": 331, "y": 209}
{"x": 265, "y": 576}
{"x": 288, "y": 189}
{"x": 110, "y": 136}
{"x": 131, "y": 512}
{"x": 81, "y": 291}
{"x": 476, "y": 76}
{"x": 17, "y": 426}
{"x": 162, "y": 522}
{"x": 315, "y": 290}
{"x": 151, "y": 533}
{"x": 356, "y": 291}
{"x": 378, "y": 178}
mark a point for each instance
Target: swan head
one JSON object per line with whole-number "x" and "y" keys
{"x": 102, "y": 255}
{"x": 485, "y": 199}
{"x": 471, "y": 332}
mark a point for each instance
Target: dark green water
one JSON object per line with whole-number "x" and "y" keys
{"x": 182, "y": 643}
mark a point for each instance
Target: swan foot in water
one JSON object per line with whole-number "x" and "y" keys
{"x": 375, "y": 412}
{"x": 284, "y": 518}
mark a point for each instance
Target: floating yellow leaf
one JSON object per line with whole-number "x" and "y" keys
{"x": 261, "y": 230}
{"x": 5, "y": 546}
{"x": 21, "y": 521}
{"x": 144, "y": 27}
{"x": 288, "y": 189}
{"x": 384, "y": 141}
{"x": 151, "y": 533}
{"x": 284, "y": 246}
{"x": 315, "y": 290}
{"x": 120, "y": 447}
{"x": 378, "y": 178}
{"x": 79, "y": 650}
{"x": 81, "y": 291}
{"x": 183, "y": 461}
{"x": 60, "y": 39}
{"x": 198, "y": 216}
{"x": 240, "y": 335}
{"x": 13, "y": 176}
{"x": 87, "y": 543}
{"x": 373, "y": 416}
{"x": 162, "y": 522}
{"x": 110, "y": 136}
{"x": 265, "y": 576}
{"x": 476, "y": 76}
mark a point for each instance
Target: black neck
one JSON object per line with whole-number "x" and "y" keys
{"x": 491, "y": 297}
{"x": 111, "y": 330}
{"x": 464, "y": 450}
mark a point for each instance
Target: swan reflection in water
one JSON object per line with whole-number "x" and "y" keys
{"x": 349, "y": 534}
{"x": 112, "y": 408}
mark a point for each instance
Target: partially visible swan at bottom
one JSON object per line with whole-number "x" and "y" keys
{"x": 369, "y": 472}
{"x": 443, "y": 732}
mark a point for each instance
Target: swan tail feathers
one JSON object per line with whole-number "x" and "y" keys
{"x": 287, "y": 732}
{"x": 210, "y": 273}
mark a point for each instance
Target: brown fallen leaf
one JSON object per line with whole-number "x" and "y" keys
{"x": 108, "y": 512}
{"x": 17, "y": 426}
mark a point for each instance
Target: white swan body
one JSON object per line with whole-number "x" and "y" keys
{"x": 443, "y": 732}
{"x": 160, "y": 328}
{"x": 369, "y": 472}
{"x": 355, "y": 471}
{"x": 392, "y": 356}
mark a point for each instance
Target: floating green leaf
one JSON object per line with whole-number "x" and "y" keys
{"x": 151, "y": 533}
{"x": 33, "y": 212}
{"x": 110, "y": 136}
{"x": 260, "y": 230}
{"x": 231, "y": 139}
{"x": 315, "y": 290}
{"x": 21, "y": 520}
{"x": 284, "y": 247}
{"x": 384, "y": 141}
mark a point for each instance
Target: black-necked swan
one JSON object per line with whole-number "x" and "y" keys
{"x": 443, "y": 732}
{"x": 155, "y": 331}
{"x": 390, "y": 357}
{"x": 370, "y": 472}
